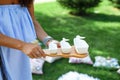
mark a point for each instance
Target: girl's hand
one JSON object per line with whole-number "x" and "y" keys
{"x": 33, "y": 50}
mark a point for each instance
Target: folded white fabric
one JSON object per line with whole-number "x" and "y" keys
{"x": 86, "y": 60}
{"x": 37, "y": 65}
{"x": 72, "y": 75}
{"x": 106, "y": 62}
{"x": 51, "y": 59}
{"x": 118, "y": 71}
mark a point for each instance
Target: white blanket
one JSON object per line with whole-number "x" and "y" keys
{"x": 72, "y": 75}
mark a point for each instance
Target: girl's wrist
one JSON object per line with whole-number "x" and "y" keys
{"x": 21, "y": 45}
{"x": 46, "y": 40}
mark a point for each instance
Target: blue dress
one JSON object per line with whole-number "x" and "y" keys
{"x": 16, "y": 22}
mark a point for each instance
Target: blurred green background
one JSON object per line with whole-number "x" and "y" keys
{"x": 101, "y": 29}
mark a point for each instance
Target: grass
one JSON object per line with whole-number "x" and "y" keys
{"x": 102, "y": 32}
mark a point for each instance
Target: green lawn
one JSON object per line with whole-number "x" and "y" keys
{"x": 102, "y": 32}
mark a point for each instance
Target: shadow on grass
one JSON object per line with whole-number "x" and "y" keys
{"x": 102, "y": 36}
{"x": 103, "y": 17}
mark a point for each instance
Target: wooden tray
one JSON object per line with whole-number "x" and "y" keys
{"x": 59, "y": 53}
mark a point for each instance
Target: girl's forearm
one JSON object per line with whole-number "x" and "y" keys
{"x": 41, "y": 34}
{"x": 11, "y": 42}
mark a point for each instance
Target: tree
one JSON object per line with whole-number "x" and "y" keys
{"x": 116, "y": 3}
{"x": 79, "y": 7}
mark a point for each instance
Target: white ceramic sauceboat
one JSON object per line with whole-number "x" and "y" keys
{"x": 80, "y": 45}
{"x": 65, "y": 46}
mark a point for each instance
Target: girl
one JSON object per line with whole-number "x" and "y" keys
{"x": 18, "y": 28}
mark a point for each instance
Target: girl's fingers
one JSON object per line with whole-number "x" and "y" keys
{"x": 41, "y": 52}
{"x": 36, "y": 52}
{"x": 31, "y": 56}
